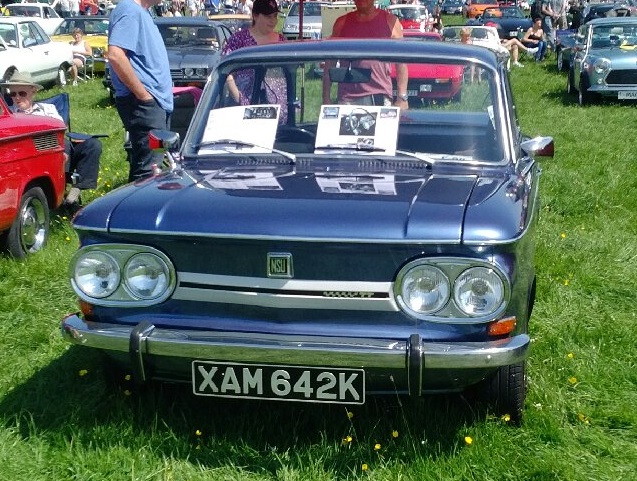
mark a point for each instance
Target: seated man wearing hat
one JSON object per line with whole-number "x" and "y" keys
{"x": 82, "y": 156}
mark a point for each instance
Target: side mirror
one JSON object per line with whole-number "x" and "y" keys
{"x": 539, "y": 146}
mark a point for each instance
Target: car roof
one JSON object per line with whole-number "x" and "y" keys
{"x": 193, "y": 21}
{"x": 613, "y": 21}
{"x": 381, "y": 49}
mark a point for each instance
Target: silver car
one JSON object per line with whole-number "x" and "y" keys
{"x": 312, "y": 21}
{"x": 603, "y": 61}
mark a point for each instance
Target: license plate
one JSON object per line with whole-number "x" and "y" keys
{"x": 627, "y": 95}
{"x": 412, "y": 93}
{"x": 289, "y": 383}
{"x": 513, "y": 34}
{"x": 425, "y": 88}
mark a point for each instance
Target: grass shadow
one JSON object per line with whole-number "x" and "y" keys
{"x": 72, "y": 398}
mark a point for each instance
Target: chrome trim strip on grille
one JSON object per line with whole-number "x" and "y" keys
{"x": 286, "y": 293}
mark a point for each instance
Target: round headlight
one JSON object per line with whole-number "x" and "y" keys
{"x": 146, "y": 276}
{"x": 201, "y": 72}
{"x": 96, "y": 274}
{"x": 189, "y": 72}
{"x": 424, "y": 289}
{"x": 601, "y": 65}
{"x": 479, "y": 291}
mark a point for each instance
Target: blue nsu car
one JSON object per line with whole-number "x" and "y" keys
{"x": 324, "y": 252}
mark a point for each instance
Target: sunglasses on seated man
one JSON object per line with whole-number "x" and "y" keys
{"x": 21, "y": 93}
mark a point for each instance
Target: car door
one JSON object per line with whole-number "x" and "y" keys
{"x": 36, "y": 52}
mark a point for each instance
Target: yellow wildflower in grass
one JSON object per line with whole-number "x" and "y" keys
{"x": 566, "y": 282}
{"x": 350, "y": 414}
{"x": 563, "y": 235}
{"x": 582, "y": 418}
{"x": 572, "y": 380}
{"x": 68, "y": 238}
{"x": 65, "y": 217}
{"x": 377, "y": 447}
{"x": 364, "y": 467}
{"x": 127, "y": 377}
{"x": 127, "y": 392}
{"x": 346, "y": 441}
{"x": 570, "y": 355}
{"x": 198, "y": 433}
{"x": 506, "y": 418}
{"x": 394, "y": 434}
{"x": 83, "y": 372}
{"x": 468, "y": 440}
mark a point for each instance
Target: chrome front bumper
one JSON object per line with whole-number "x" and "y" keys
{"x": 412, "y": 354}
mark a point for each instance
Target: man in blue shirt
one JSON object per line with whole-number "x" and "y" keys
{"x": 141, "y": 78}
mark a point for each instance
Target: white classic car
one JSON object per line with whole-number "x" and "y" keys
{"x": 25, "y": 47}
{"x": 42, "y": 13}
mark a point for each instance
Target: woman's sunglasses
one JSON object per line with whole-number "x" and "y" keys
{"x": 21, "y": 93}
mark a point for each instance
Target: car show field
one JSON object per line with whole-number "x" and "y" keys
{"x": 65, "y": 415}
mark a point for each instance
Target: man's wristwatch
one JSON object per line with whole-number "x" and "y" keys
{"x": 404, "y": 97}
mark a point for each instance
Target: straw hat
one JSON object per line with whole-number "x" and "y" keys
{"x": 20, "y": 78}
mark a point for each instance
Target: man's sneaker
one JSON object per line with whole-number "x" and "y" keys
{"x": 532, "y": 50}
{"x": 518, "y": 64}
{"x": 73, "y": 196}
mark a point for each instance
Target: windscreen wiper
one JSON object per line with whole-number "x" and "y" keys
{"x": 231, "y": 145}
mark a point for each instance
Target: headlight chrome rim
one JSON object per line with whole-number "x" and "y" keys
{"x": 123, "y": 295}
{"x": 451, "y": 312}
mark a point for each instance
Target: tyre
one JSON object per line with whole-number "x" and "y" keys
{"x": 30, "y": 229}
{"x": 506, "y": 391}
{"x": 584, "y": 97}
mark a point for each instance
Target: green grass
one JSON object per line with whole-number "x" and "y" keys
{"x": 62, "y": 419}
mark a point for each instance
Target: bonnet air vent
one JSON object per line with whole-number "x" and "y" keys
{"x": 46, "y": 142}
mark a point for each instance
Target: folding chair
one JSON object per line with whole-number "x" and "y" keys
{"x": 63, "y": 106}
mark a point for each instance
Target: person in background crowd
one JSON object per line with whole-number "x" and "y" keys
{"x": 193, "y": 7}
{"x": 514, "y": 46}
{"x": 265, "y": 15}
{"x": 141, "y": 77}
{"x": 81, "y": 156}
{"x": 367, "y": 21}
{"x": 65, "y": 7}
{"x": 245, "y": 7}
{"x": 534, "y": 37}
{"x": 81, "y": 51}
{"x": 553, "y": 17}
{"x": 75, "y": 7}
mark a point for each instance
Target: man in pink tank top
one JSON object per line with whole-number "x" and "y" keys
{"x": 367, "y": 21}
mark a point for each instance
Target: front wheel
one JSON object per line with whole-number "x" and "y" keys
{"x": 505, "y": 391}
{"x": 30, "y": 228}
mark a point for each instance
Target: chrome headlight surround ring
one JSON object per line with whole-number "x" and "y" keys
{"x": 455, "y": 269}
{"x": 122, "y": 295}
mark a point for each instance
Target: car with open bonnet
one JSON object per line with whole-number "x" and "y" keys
{"x": 304, "y": 250}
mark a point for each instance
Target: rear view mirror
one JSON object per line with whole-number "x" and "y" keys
{"x": 350, "y": 75}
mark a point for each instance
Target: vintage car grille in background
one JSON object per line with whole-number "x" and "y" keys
{"x": 46, "y": 142}
{"x": 622, "y": 77}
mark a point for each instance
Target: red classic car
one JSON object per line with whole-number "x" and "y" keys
{"x": 32, "y": 178}
{"x": 431, "y": 81}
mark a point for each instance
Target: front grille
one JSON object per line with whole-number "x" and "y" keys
{"x": 622, "y": 77}
{"x": 46, "y": 142}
